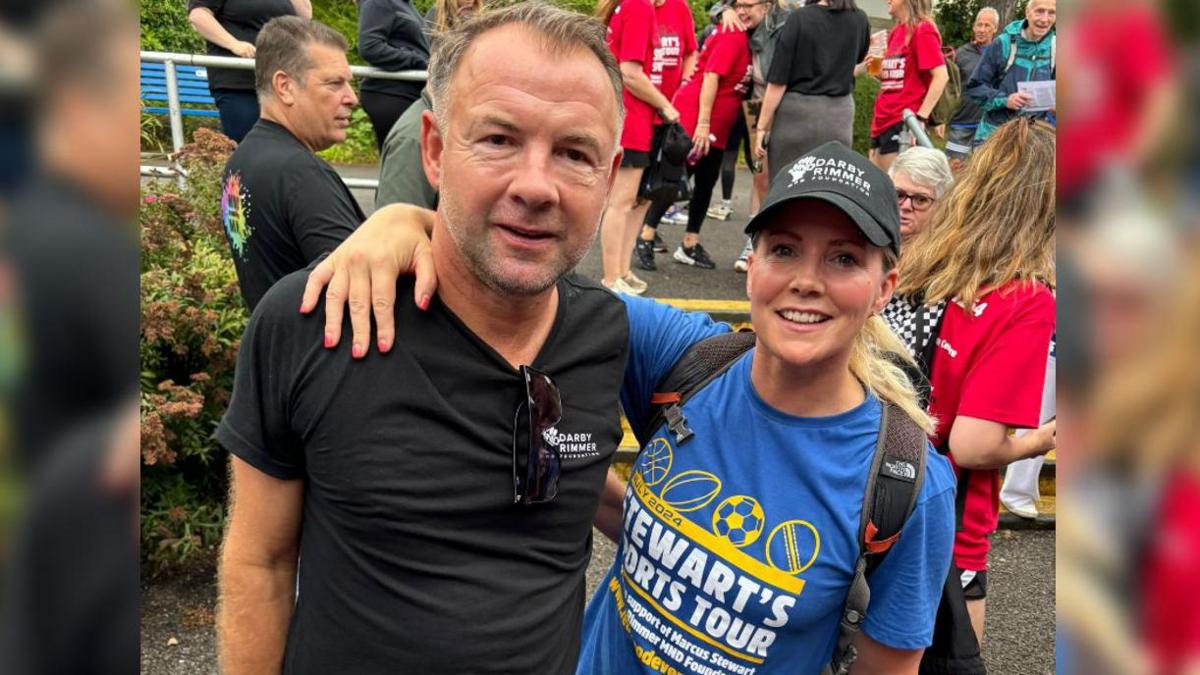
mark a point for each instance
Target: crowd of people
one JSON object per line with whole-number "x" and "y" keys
{"x": 822, "y": 498}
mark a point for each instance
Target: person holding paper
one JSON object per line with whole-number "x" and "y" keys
{"x": 1025, "y": 52}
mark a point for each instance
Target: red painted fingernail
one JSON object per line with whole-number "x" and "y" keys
{"x": 328, "y": 341}
{"x": 424, "y": 304}
{"x": 357, "y": 352}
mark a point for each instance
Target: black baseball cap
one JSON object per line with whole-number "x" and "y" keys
{"x": 836, "y": 174}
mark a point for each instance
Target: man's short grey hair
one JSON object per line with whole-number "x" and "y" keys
{"x": 561, "y": 31}
{"x": 989, "y": 10}
{"x": 926, "y": 167}
{"x": 283, "y": 43}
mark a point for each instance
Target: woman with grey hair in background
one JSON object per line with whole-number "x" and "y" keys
{"x": 922, "y": 176}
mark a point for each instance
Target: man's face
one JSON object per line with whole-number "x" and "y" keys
{"x": 984, "y": 29}
{"x": 1041, "y": 15}
{"x": 525, "y": 161}
{"x": 813, "y": 282}
{"x": 322, "y": 99}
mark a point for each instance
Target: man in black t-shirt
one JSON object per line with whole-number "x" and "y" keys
{"x": 404, "y": 484}
{"x": 282, "y": 206}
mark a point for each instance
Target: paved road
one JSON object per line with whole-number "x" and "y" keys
{"x": 1020, "y": 612}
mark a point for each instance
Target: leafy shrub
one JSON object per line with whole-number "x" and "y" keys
{"x": 866, "y": 88}
{"x": 165, "y": 27}
{"x": 359, "y": 146}
{"x": 192, "y": 322}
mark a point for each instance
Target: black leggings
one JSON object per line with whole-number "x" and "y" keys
{"x": 705, "y": 174}
{"x": 737, "y": 136}
{"x": 383, "y": 110}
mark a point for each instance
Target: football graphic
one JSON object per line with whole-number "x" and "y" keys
{"x": 739, "y": 520}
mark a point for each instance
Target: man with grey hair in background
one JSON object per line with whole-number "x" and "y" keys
{"x": 965, "y": 119}
{"x": 442, "y": 496}
{"x": 281, "y": 204}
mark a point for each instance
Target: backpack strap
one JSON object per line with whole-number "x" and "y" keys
{"x": 702, "y": 363}
{"x": 1012, "y": 55}
{"x": 893, "y": 484}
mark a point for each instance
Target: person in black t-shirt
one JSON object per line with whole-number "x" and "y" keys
{"x": 282, "y": 206}
{"x": 391, "y": 36}
{"x": 437, "y": 533}
{"x": 810, "y": 86}
{"x": 230, "y": 28}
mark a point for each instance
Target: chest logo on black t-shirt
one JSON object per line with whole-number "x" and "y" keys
{"x": 571, "y": 445}
{"x": 235, "y": 209}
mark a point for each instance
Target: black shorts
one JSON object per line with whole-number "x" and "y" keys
{"x": 635, "y": 159}
{"x": 888, "y": 140}
{"x": 975, "y": 584}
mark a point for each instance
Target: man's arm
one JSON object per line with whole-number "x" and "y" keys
{"x": 982, "y": 444}
{"x": 876, "y": 659}
{"x": 983, "y": 86}
{"x": 257, "y": 575}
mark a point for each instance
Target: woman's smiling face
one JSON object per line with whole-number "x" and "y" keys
{"x": 813, "y": 282}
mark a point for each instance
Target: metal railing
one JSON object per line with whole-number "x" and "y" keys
{"x": 175, "y": 114}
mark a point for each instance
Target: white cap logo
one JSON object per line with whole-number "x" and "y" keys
{"x": 801, "y": 167}
{"x": 829, "y": 169}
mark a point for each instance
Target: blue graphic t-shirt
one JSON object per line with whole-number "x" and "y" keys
{"x": 737, "y": 548}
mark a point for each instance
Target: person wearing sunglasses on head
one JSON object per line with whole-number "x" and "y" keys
{"x": 922, "y": 176}
{"x": 739, "y": 540}
{"x": 442, "y": 496}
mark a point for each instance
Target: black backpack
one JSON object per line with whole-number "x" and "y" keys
{"x": 897, "y": 471}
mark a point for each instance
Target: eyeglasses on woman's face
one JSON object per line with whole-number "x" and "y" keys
{"x": 919, "y": 201}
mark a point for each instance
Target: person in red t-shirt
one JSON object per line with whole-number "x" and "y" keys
{"x": 635, "y": 38}
{"x": 985, "y": 265}
{"x": 708, "y": 103}
{"x": 913, "y": 76}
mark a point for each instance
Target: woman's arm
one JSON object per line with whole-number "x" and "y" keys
{"x": 940, "y": 76}
{"x": 205, "y": 23}
{"x": 876, "y": 659}
{"x": 375, "y": 45}
{"x": 982, "y": 444}
{"x": 708, "y": 96}
{"x": 766, "y": 117}
{"x": 635, "y": 80}
{"x": 364, "y": 268}
{"x": 608, "y": 515}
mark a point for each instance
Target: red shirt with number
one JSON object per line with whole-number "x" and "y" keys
{"x": 906, "y": 73}
{"x": 633, "y": 36}
{"x": 726, "y": 53}
{"x": 676, "y": 42}
{"x": 990, "y": 363}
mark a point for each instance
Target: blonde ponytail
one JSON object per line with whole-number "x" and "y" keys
{"x": 881, "y": 376}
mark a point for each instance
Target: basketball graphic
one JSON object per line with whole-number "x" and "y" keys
{"x": 739, "y": 520}
{"x": 690, "y": 490}
{"x": 656, "y": 461}
{"x": 793, "y": 546}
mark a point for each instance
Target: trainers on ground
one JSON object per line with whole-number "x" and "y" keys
{"x": 743, "y": 261}
{"x": 635, "y": 282}
{"x": 695, "y": 256}
{"x": 721, "y": 211}
{"x": 675, "y": 216}
{"x": 1026, "y": 510}
{"x": 660, "y": 246}
{"x": 643, "y": 255}
{"x": 620, "y": 287}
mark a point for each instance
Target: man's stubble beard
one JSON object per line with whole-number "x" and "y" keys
{"x": 479, "y": 260}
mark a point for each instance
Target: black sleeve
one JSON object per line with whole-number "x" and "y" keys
{"x": 785, "y": 51}
{"x": 864, "y": 38}
{"x": 257, "y": 426}
{"x": 382, "y": 43}
{"x": 320, "y": 220}
{"x": 214, "y": 5}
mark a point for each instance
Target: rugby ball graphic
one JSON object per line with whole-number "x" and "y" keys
{"x": 690, "y": 490}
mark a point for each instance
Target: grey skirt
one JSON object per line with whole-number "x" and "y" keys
{"x": 804, "y": 122}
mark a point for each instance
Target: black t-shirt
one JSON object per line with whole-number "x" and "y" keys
{"x": 818, "y": 49}
{"x": 282, "y": 207}
{"x": 75, "y": 271}
{"x": 391, "y": 36}
{"x": 414, "y": 557}
{"x": 243, "y": 19}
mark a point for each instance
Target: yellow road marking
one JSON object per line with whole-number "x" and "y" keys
{"x": 725, "y": 306}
